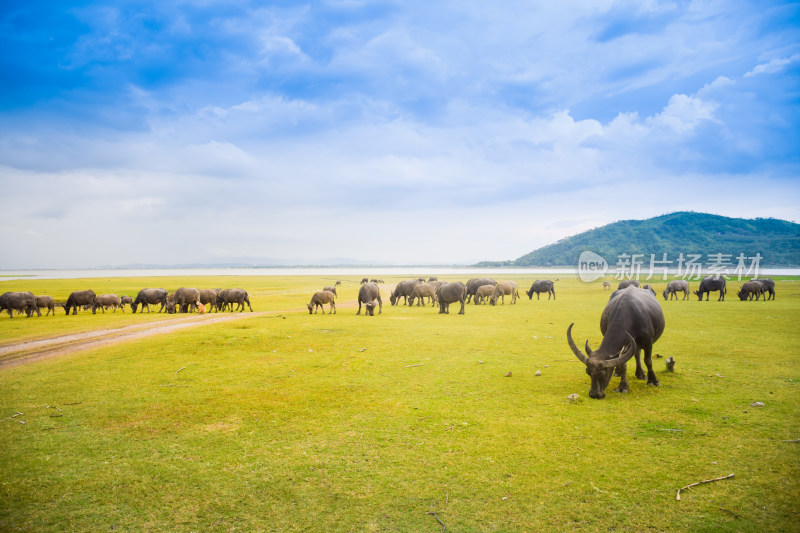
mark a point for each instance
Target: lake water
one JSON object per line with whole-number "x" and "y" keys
{"x": 333, "y": 272}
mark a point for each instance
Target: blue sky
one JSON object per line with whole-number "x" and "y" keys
{"x": 387, "y": 132}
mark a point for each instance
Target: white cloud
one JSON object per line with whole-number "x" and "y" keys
{"x": 772, "y": 67}
{"x": 683, "y": 113}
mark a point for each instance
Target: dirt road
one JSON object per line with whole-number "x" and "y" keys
{"x": 29, "y": 351}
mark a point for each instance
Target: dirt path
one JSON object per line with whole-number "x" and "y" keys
{"x": 25, "y": 352}
{"x": 35, "y": 350}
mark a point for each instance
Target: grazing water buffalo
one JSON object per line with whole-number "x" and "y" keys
{"x": 79, "y": 298}
{"x": 541, "y": 285}
{"x": 676, "y": 286}
{"x": 627, "y": 283}
{"x": 148, "y": 297}
{"x": 448, "y": 293}
{"x": 750, "y": 289}
{"x": 422, "y": 291}
{"x": 631, "y": 321}
{"x": 182, "y": 299}
{"x": 21, "y": 301}
{"x": 368, "y": 294}
{"x": 483, "y": 294}
{"x": 606, "y": 285}
{"x": 709, "y": 285}
{"x": 319, "y": 298}
{"x": 647, "y": 286}
{"x": 46, "y": 302}
{"x": 474, "y": 284}
{"x": 769, "y": 286}
{"x": 403, "y": 290}
{"x": 104, "y": 301}
{"x": 125, "y": 300}
{"x": 230, "y": 297}
{"x": 503, "y": 288}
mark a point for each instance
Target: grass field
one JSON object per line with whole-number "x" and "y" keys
{"x": 298, "y": 422}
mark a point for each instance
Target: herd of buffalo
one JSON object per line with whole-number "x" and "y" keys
{"x": 631, "y": 322}
{"x": 182, "y": 300}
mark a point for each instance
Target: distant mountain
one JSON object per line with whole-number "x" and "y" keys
{"x": 778, "y": 241}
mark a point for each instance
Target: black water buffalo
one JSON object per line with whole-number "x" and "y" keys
{"x": 750, "y": 289}
{"x": 631, "y": 321}
{"x": 606, "y": 285}
{"x": 474, "y": 284}
{"x": 230, "y": 297}
{"x": 148, "y": 297}
{"x": 448, "y": 293}
{"x": 331, "y": 289}
{"x": 709, "y": 285}
{"x": 676, "y": 286}
{"x": 542, "y": 285}
{"x": 79, "y": 298}
{"x": 502, "y": 289}
{"x": 46, "y": 302}
{"x": 104, "y": 301}
{"x": 208, "y": 297}
{"x": 319, "y": 298}
{"x": 627, "y": 283}
{"x": 368, "y": 293}
{"x": 19, "y": 301}
{"x": 769, "y": 286}
{"x": 647, "y": 286}
{"x": 125, "y": 300}
{"x": 403, "y": 290}
{"x": 184, "y": 300}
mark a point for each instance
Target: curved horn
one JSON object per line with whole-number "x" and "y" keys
{"x": 580, "y": 355}
{"x": 588, "y": 350}
{"x": 625, "y": 354}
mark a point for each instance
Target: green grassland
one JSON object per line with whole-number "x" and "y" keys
{"x": 296, "y": 422}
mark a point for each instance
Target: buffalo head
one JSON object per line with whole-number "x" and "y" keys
{"x": 600, "y": 366}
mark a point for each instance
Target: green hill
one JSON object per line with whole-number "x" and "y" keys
{"x": 778, "y": 241}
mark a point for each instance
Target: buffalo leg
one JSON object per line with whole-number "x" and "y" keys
{"x": 639, "y": 370}
{"x": 622, "y": 371}
{"x": 648, "y": 360}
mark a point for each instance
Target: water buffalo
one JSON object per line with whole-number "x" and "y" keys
{"x": 331, "y": 289}
{"x": 541, "y": 285}
{"x": 709, "y": 285}
{"x": 676, "y": 286}
{"x": 368, "y": 293}
{"x": 483, "y": 294}
{"x": 104, "y": 301}
{"x": 125, "y": 300}
{"x": 79, "y": 298}
{"x": 22, "y": 301}
{"x": 319, "y": 298}
{"x": 182, "y": 300}
{"x": 631, "y": 321}
{"x": 148, "y": 297}
{"x": 627, "y": 283}
{"x": 647, "y": 286}
{"x": 503, "y": 288}
{"x": 606, "y": 285}
{"x": 233, "y": 296}
{"x": 448, "y": 293}
{"x": 422, "y": 291}
{"x": 46, "y": 302}
{"x": 474, "y": 284}
{"x": 209, "y": 297}
{"x": 403, "y": 290}
{"x": 769, "y": 286}
{"x": 750, "y": 289}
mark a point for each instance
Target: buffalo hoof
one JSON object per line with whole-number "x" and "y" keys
{"x": 654, "y": 383}
{"x": 621, "y": 389}
{"x": 640, "y": 374}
